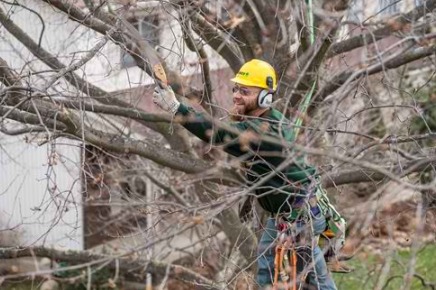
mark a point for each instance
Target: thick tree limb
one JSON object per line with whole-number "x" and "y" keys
{"x": 132, "y": 268}
{"x": 250, "y": 42}
{"x": 195, "y": 46}
{"x": 147, "y": 148}
{"x": 131, "y": 113}
{"x": 70, "y": 124}
{"x": 29, "y": 118}
{"x": 266, "y": 16}
{"x": 217, "y": 40}
{"x": 365, "y": 175}
{"x": 22, "y": 130}
{"x": 327, "y": 26}
{"x": 399, "y": 60}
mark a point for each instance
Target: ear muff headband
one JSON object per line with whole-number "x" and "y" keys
{"x": 270, "y": 83}
{"x": 264, "y": 99}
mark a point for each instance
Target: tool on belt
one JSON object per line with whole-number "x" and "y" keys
{"x": 293, "y": 252}
{"x": 285, "y": 261}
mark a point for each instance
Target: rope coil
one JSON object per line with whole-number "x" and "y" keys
{"x": 285, "y": 260}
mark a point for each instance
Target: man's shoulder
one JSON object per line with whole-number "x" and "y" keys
{"x": 277, "y": 119}
{"x": 279, "y": 123}
{"x": 277, "y": 115}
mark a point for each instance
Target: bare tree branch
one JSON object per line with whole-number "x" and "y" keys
{"x": 196, "y": 46}
{"x": 396, "y": 24}
{"x": 178, "y": 140}
{"x": 133, "y": 268}
{"x": 20, "y": 131}
{"x": 215, "y": 38}
{"x": 392, "y": 63}
{"x": 131, "y": 113}
{"x": 29, "y": 118}
{"x": 365, "y": 175}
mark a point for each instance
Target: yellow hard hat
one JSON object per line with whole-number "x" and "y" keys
{"x": 257, "y": 73}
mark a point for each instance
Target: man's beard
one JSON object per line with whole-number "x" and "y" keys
{"x": 239, "y": 111}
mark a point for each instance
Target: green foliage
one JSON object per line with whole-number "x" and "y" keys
{"x": 369, "y": 268}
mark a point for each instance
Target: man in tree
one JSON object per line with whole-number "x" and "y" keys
{"x": 283, "y": 184}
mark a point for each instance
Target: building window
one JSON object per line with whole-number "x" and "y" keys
{"x": 148, "y": 28}
{"x": 389, "y": 7}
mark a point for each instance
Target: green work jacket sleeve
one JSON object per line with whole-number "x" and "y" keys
{"x": 233, "y": 139}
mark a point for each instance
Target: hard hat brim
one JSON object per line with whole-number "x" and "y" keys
{"x": 247, "y": 83}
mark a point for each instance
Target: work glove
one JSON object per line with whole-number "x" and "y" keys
{"x": 166, "y": 99}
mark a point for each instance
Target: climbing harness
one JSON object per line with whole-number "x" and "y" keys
{"x": 334, "y": 234}
{"x": 293, "y": 255}
{"x": 293, "y": 251}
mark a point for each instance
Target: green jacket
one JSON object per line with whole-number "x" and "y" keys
{"x": 260, "y": 157}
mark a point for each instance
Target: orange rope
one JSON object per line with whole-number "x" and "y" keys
{"x": 294, "y": 269}
{"x": 276, "y": 266}
{"x": 280, "y": 252}
{"x": 282, "y": 255}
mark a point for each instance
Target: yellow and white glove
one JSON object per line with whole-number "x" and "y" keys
{"x": 166, "y": 99}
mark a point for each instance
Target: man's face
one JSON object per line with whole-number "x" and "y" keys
{"x": 244, "y": 99}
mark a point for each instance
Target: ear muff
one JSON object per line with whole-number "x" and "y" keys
{"x": 265, "y": 97}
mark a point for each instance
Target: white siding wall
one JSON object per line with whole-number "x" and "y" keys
{"x": 40, "y": 193}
